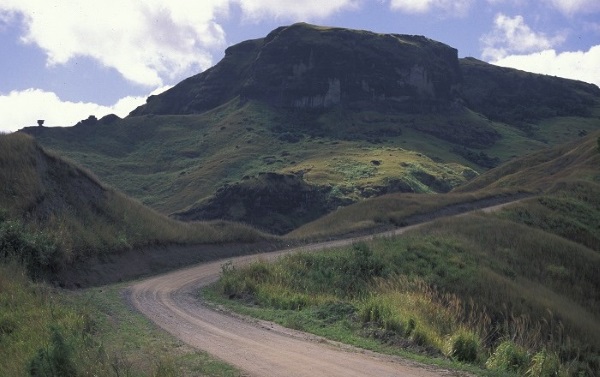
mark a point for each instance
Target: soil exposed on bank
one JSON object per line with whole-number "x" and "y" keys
{"x": 137, "y": 263}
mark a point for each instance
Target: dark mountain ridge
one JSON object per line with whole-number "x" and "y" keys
{"x": 518, "y": 97}
{"x": 304, "y": 66}
{"x": 309, "y": 67}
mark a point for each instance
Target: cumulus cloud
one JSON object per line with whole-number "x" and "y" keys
{"x": 511, "y": 35}
{"x": 576, "y": 65}
{"x": 449, "y": 7}
{"x": 149, "y": 41}
{"x": 300, "y": 9}
{"x": 512, "y": 43}
{"x": 27, "y": 106}
{"x": 145, "y": 41}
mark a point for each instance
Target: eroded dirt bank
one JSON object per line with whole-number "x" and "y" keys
{"x": 136, "y": 263}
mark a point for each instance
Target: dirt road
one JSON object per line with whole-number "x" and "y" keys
{"x": 260, "y": 348}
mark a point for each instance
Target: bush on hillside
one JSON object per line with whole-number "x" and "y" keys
{"x": 36, "y": 251}
{"x": 508, "y": 357}
{"x": 544, "y": 364}
{"x": 56, "y": 360}
{"x": 464, "y": 346}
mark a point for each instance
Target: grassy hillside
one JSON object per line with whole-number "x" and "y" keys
{"x": 53, "y": 213}
{"x": 176, "y": 164}
{"x": 515, "y": 292}
{"x": 351, "y": 113}
{"x": 572, "y": 166}
{"x": 53, "y": 216}
{"x": 521, "y": 98}
{"x": 541, "y": 170}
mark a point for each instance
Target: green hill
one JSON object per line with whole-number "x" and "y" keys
{"x": 350, "y": 114}
{"x": 515, "y": 291}
{"x": 55, "y": 216}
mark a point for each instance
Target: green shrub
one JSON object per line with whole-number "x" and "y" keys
{"x": 36, "y": 251}
{"x": 508, "y": 357}
{"x": 464, "y": 346}
{"x": 544, "y": 364}
{"x": 421, "y": 337}
{"x": 380, "y": 311}
{"x": 54, "y": 361}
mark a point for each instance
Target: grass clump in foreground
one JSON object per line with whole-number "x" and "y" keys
{"x": 49, "y": 332}
{"x": 479, "y": 289}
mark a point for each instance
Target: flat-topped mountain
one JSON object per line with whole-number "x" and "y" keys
{"x": 306, "y": 66}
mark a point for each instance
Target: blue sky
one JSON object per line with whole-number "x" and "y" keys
{"x": 63, "y": 60}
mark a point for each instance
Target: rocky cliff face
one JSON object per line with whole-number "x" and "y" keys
{"x": 306, "y": 66}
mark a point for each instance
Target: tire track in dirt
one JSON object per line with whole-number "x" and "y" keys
{"x": 261, "y": 348}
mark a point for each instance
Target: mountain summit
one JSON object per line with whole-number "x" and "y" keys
{"x": 307, "y": 66}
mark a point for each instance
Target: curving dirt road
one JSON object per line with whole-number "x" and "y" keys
{"x": 260, "y": 348}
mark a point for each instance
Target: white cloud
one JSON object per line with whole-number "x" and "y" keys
{"x": 451, "y": 7}
{"x": 577, "y": 65}
{"x": 571, "y": 7}
{"x": 512, "y": 35}
{"x": 512, "y": 43}
{"x": 300, "y": 9}
{"x": 23, "y": 108}
{"x": 146, "y": 41}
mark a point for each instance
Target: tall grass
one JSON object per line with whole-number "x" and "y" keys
{"x": 460, "y": 287}
{"x": 39, "y": 334}
{"x": 55, "y": 333}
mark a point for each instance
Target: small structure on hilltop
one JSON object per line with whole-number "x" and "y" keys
{"x": 40, "y": 122}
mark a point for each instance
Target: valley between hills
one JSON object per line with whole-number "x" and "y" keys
{"x": 307, "y": 137}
